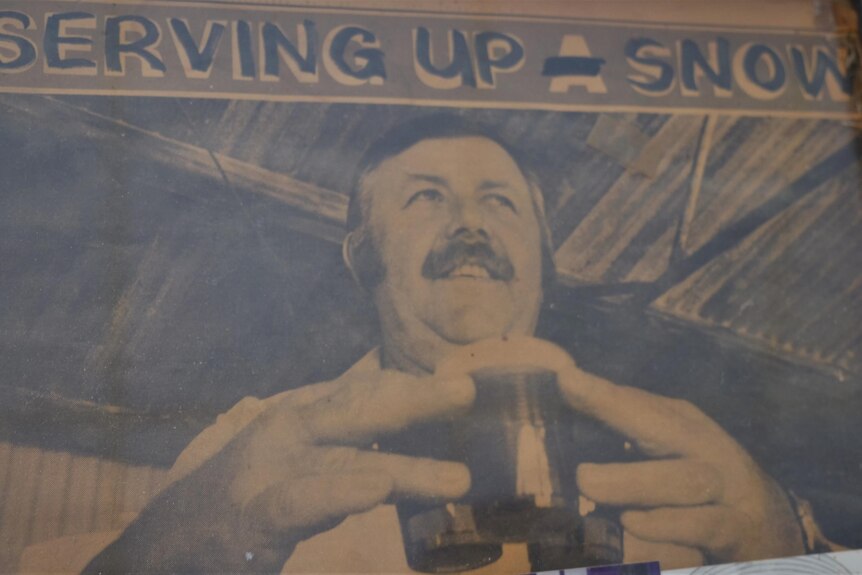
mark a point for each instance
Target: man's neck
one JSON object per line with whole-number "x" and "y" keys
{"x": 392, "y": 356}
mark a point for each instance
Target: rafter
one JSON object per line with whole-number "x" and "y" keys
{"x": 735, "y": 233}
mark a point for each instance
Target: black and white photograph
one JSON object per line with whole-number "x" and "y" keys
{"x": 429, "y": 287}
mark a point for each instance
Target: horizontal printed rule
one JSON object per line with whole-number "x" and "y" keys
{"x": 228, "y": 51}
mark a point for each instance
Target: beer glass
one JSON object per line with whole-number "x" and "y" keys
{"x": 522, "y": 445}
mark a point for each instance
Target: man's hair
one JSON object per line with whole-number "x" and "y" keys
{"x": 368, "y": 267}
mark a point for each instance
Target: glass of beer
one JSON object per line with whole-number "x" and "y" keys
{"x": 522, "y": 444}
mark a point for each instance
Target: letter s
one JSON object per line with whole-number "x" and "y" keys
{"x": 23, "y": 50}
{"x": 655, "y": 76}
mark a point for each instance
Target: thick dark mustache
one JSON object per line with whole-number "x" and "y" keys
{"x": 467, "y": 251}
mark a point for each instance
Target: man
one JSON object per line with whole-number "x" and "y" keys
{"x": 448, "y": 236}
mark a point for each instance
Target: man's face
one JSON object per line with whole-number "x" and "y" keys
{"x": 460, "y": 240}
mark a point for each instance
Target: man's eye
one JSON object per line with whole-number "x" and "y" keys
{"x": 501, "y": 201}
{"x": 426, "y": 195}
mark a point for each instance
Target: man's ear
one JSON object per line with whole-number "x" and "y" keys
{"x": 348, "y": 254}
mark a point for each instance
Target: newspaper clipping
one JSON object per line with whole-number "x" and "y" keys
{"x": 373, "y": 289}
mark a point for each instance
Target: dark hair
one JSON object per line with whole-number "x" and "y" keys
{"x": 368, "y": 267}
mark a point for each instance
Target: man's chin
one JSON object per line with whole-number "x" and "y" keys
{"x": 473, "y": 321}
{"x": 463, "y": 311}
{"x": 464, "y": 335}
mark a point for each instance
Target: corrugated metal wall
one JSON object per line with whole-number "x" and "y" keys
{"x": 49, "y": 494}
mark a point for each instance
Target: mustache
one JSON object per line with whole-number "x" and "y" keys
{"x": 464, "y": 250}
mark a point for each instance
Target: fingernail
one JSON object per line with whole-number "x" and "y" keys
{"x": 456, "y": 477}
{"x": 460, "y": 390}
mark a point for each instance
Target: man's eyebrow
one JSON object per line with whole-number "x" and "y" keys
{"x": 430, "y": 178}
{"x": 493, "y": 185}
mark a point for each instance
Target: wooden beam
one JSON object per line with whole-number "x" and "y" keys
{"x": 319, "y": 203}
{"x": 734, "y": 234}
{"x": 314, "y": 203}
{"x": 703, "y": 149}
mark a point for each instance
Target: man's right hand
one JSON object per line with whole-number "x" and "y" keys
{"x": 299, "y": 468}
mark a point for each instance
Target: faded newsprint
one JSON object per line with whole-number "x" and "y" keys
{"x": 385, "y": 287}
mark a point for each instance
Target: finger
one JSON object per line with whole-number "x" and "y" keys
{"x": 661, "y": 426}
{"x": 364, "y": 409}
{"x": 306, "y": 502}
{"x": 670, "y": 556}
{"x": 660, "y": 483}
{"x": 508, "y": 352}
{"x": 411, "y": 476}
{"x": 716, "y": 529}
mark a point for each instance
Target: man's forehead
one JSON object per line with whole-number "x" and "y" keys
{"x": 470, "y": 156}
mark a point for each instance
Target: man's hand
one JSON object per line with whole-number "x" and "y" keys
{"x": 702, "y": 497}
{"x": 299, "y": 468}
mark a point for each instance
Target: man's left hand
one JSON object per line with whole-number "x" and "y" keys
{"x": 702, "y": 496}
{"x": 698, "y": 498}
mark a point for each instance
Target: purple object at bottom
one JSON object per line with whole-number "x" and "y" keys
{"x": 651, "y": 568}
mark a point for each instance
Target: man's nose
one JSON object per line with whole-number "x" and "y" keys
{"x": 467, "y": 216}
